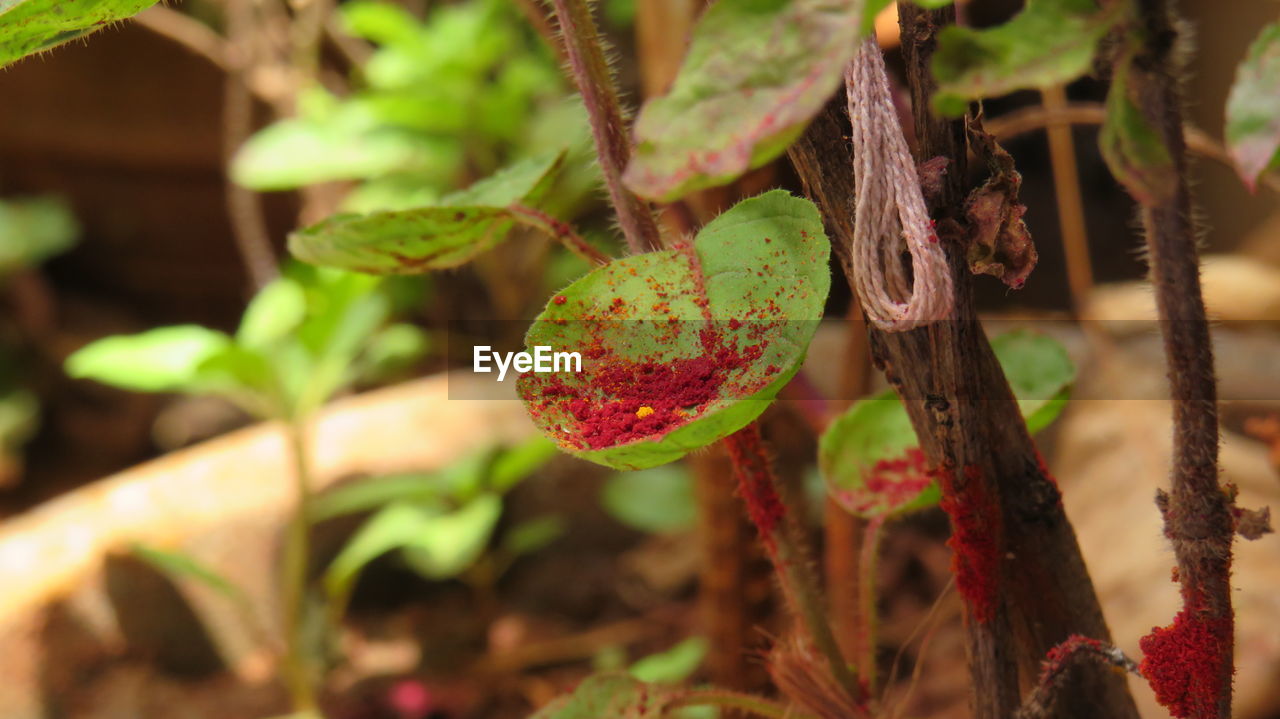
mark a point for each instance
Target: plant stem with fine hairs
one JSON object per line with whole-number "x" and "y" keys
{"x": 613, "y": 146}
{"x": 1190, "y": 663}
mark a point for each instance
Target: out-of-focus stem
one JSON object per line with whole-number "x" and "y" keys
{"x": 294, "y": 571}
{"x": 613, "y": 146}
{"x": 1066, "y": 188}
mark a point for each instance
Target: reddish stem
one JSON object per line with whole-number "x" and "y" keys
{"x": 585, "y": 51}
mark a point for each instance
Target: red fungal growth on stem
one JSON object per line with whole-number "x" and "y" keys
{"x": 975, "y": 539}
{"x": 755, "y": 482}
{"x": 1181, "y": 662}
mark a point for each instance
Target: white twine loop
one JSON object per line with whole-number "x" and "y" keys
{"x": 889, "y": 211}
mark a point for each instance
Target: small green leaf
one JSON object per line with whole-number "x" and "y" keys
{"x": 29, "y": 26}
{"x": 870, "y": 458}
{"x": 616, "y": 696}
{"x": 1253, "y": 108}
{"x": 394, "y": 526}
{"x": 19, "y": 418}
{"x": 756, "y": 72}
{"x": 1039, "y": 371}
{"x": 1132, "y": 146}
{"x": 450, "y": 543}
{"x": 179, "y": 565}
{"x": 273, "y": 313}
{"x": 462, "y": 226}
{"x": 161, "y": 360}
{"x": 33, "y": 229}
{"x": 514, "y": 464}
{"x": 674, "y": 665}
{"x": 393, "y": 351}
{"x": 682, "y": 347}
{"x": 1050, "y": 42}
{"x": 655, "y": 500}
{"x": 535, "y": 534}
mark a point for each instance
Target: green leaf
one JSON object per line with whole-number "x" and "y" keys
{"x": 382, "y": 22}
{"x": 33, "y": 229}
{"x": 19, "y": 418}
{"x": 462, "y": 226}
{"x": 616, "y": 696}
{"x": 1039, "y": 371}
{"x": 167, "y": 359}
{"x": 674, "y": 665}
{"x": 1050, "y": 42}
{"x": 179, "y": 566}
{"x": 393, "y": 351}
{"x": 273, "y": 313}
{"x": 533, "y": 535}
{"x": 1131, "y": 146}
{"x": 29, "y": 26}
{"x": 655, "y": 500}
{"x": 1253, "y": 107}
{"x": 450, "y": 543}
{"x": 682, "y": 347}
{"x": 460, "y": 480}
{"x": 514, "y": 464}
{"x": 756, "y": 72}
{"x": 870, "y": 457}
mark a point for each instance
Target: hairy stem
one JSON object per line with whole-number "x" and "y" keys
{"x": 1195, "y": 654}
{"x": 561, "y": 231}
{"x": 866, "y": 637}
{"x": 780, "y": 534}
{"x": 294, "y": 572}
{"x": 613, "y": 146}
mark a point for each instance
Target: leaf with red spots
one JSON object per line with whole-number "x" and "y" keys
{"x": 436, "y": 237}
{"x": 870, "y": 456}
{"x": 1253, "y": 108}
{"x": 756, "y": 72}
{"x": 31, "y": 26}
{"x": 683, "y": 347}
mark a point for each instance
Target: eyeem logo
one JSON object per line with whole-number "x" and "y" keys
{"x": 541, "y": 360}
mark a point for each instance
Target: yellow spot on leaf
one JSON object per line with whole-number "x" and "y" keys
{"x": 644, "y": 412}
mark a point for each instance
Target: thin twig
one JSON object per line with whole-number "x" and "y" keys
{"x": 561, "y": 231}
{"x": 248, "y": 225}
{"x": 613, "y": 145}
{"x": 185, "y": 31}
{"x": 1066, "y": 188}
{"x": 1074, "y": 650}
{"x": 1091, "y": 113}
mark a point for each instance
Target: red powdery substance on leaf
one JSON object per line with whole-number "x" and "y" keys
{"x": 1180, "y": 662}
{"x": 625, "y": 400}
{"x": 975, "y": 540}
{"x": 892, "y": 482}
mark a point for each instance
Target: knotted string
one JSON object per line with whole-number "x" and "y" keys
{"x": 889, "y": 212}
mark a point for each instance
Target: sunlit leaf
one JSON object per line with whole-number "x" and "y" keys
{"x": 652, "y": 500}
{"x": 272, "y": 314}
{"x": 682, "y": 347}
{"x": 450, "y": 543}
{"x": 870, "y": 457}
{"x": 1131, "y": 146}
{"x": 674, "y": 665}
{"x": 756, "y": 72}
{"x": 462, "y": 226}
{"x": 1050, "y": 42}
{"x": 160, "y": 360}
{"x": 1253, "y": 107}
{"x": 29, "y": 26}
{"x": 33, "y": 229}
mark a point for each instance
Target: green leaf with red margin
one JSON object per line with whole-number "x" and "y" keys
{"x": 870, "y": 456}
{"x": 1253, "y": 108}
{"x": 448, "y": 234}
{"x": 1050, "y": 42}
{"x": 1132, "y": 146}
{"x": 682, "y": 347}
{"x": 31, "y": 26}
{"x": 756, "y": 72}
